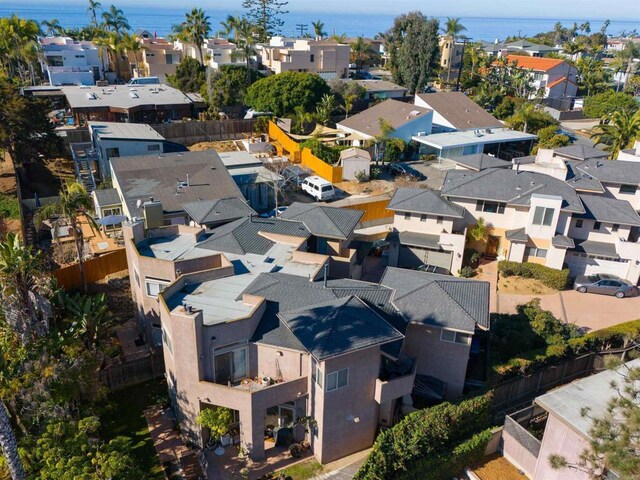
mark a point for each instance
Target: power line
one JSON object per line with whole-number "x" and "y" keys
{"x": 302, "y": 28}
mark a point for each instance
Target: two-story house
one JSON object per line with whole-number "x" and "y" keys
{"x": 554, "y": 77}
{"x": 220, "y": 51}
{"x": 72, "y": 62}
{"x": 157, "y": 58}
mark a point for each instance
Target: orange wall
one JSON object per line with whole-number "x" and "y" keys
{"x": 95, "y": 269}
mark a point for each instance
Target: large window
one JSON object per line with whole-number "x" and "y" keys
{"x": 455, "y": 337}
{"x": 336, "y": 380}
{"x": 230, "y": 366}
{"x": 407, "y": 216}
{"x": 536, "y": 252}
{"x": 630, "y": 189}
{"x": 316, "y": 373}
{"x": 112, "y": 152}
{"x": 155, "y": 286}
{"x": 489, "y": 207}
{"x": 543, "y": 216}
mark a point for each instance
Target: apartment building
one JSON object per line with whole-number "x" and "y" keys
{"x": 327, "y": 58}
{"x": 450, "y": 58}
{"x": 157, "y": 58}
{"x": 253, "y": 319}
{"x": 72, "y": 62}
{"x": 566, "y": 430}
{"x": 220, "y": 51}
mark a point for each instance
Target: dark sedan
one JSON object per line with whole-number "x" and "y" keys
{"x": 404, "y": 170}
{"x": 605, "y": 284}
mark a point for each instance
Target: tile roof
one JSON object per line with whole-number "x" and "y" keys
{"x": 143, "y": 176}
{"x": 559, "y": 81}
{"x": 439, "y": 300}
{"x": 393, "y": 111}
{"x": 517, "y": 235}
{"x": 481, "y": 161}
{"x": 509, "y": 186}
{"x": 610, "y": 210}
{"x": 243, "y": 235}
{"x": 582, "y": 182}
{"x": 323, "y": 220}
{"x": 580, "y": 152}
{"x": 338, "y": 326}
{"x": 591, "y": 247}
{"x": 460, "y": 111}
{"x": 424, "y": 200}
{"x": 107, "y": 196}
{"x": 535, "y": 63}
{"x": 414, "y": 239}
{"x": 218, "y": 210}
{"x": 562, "y": 241}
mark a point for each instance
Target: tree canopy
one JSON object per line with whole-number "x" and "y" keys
{"x": 414, "y": 51}
{"x": 266, "y": 15}
{"x": 190, "y": 76}
{"x": 605, "y": 103}
{"x": 228, "y": 86}
{"x": 280, "y": 94}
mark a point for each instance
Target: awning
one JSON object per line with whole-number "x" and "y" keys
{"x": 110, "y": 220}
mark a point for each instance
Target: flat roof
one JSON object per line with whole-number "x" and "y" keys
{"x": 463, "y": 139}
{"x": 124, "y": 131}
{"x": 239, "y": 159}
{"x": 123, "y": 96}
{"x": 380, "y": 86}
{"x": 592, "y": 392}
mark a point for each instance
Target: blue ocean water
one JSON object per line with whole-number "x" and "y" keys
{"x": 160, "y": 20}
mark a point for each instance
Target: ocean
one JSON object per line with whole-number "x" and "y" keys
{"x": 160, "y": 20}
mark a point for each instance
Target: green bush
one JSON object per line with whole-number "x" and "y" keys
{"x": 9, "y": 207}
{"x": 551, "y": 277}
{"x": 324, "y": 152}
{"x": 467, "y": 272}
{"x": 602, "y": 104}
{"x": 607, "y": 338}
{"x": 423, "y": 435}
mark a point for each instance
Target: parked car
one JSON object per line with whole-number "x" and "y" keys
{"x": 273, "y": 212}
{"x": 605, "y": 284}
{"x": 425, "y": 267}
{"x": 403, "y": 169}
{"x": 318, "y": 188}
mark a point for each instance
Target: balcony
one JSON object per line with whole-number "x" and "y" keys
{"x": 522, "y": 436}
{"x": 396, "y": 379}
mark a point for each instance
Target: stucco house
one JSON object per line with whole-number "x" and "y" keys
{"x": 554, "y": 77}
{"x": 65, "y": 61}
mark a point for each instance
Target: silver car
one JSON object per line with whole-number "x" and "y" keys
{"x": 605, "y": 284}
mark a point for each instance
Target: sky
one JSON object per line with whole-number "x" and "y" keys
{"x": 583, "y": 9}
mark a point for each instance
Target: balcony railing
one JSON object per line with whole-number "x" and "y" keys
{"x": 396, "y": 380}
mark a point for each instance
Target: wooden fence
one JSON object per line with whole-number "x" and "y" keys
{"x": 518, "y": 393}
{"x": 284, "y": 144}
{"x": 188, "y": 133}
{"x": 118, "y": 376}
{"x": 329, "y": 172}
{"x": 95, "y": 269}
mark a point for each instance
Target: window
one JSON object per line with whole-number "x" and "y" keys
{"x": 597, "y": 225}
{"x": 423, "y": 218}
{"x": 489, "y": 207}
{"x": 630, "y": 189}
{"x": 113, "y": 152}
{"x": 230, "y": 366}
{"x": 55, "y": 61}
{"x": 579, "y": 223}
{"x": 79, "y": 56}
{"x": 153, "y": 148}
{"x": 155, "y": 286}
{"x": 316, "y": 373}
{"x": 312, "y": 58}
{"x": 336, "y": 380}
{"x": 455, "y": 337}
{"x": 543, "y": 216}
{"x": 167, "y": 341}
{"x": 615, "y": 227}
{"x": 407, "y": 216}
{"x": 536, "y": 252}
{"x": 156, "y": 334}
{"x": 439, "y": 220}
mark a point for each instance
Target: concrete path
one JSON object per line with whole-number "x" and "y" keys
{"x": 345, "y": 468}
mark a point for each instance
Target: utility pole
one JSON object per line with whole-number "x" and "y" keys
{"x": 302, "y": 28}
{"x": 464, "y": 46}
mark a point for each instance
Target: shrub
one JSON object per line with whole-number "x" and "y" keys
{"x": 467, "y": 272}
{"x": 607, "y": 338}
{"x": 9, "y": 207}
{"x": 471, "y": 257}
{"x": 324, "y": 152}
{"x": 602, "y": 104}
{"x": 551, "y": 277}
{"x": 362, "y": 177}
{"x": 425, "y": 434}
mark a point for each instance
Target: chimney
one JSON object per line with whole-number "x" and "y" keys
{"x": 324, "y": 280}
{"x": 188, "y": 181}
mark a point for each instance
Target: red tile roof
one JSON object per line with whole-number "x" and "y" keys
{"x": 535, "y": 63}
{"x": 558, "y": 81}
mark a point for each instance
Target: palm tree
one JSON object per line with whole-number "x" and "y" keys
{"x": 300, "y": 119}
{"x": 618, "y": 131}
{"x": 115, "y": 20}
{"x": 475, "y": 54}
{"x": 9, "y": 445}
{"x": 17, "y": 37}
{"x": 347, "y": 106}
{"x": 132, "y": 44}
{"x": 325, "y": 108}
{"x": 524, "y": 115}
{"x": 229, "y": 26}
{"x": 572, "y": 49}
{"x": 196, "y": 29}
{"x": 359, "y": 48}
{"x": 53, "y": 27}
{"x": 558, "y": 33}
{"x": 24, "y": 289}
{"x": 74, "y": 202}
{"x": 94, "y": 5}
{"x": 452, "y": 28}
{"x": 318, "y": 29}
{"x": 342, "y": 38}
{"x": 246, "y": 33}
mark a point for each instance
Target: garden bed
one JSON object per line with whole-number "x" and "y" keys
{"x": 497, "y": 467}
{"x": 517, "y": 285}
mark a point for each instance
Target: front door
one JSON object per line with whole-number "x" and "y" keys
{"x": 492, "y": 246}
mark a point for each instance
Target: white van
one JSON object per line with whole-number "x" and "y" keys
{"x": 318, "y": 188}
{"x": 144, "y": 81}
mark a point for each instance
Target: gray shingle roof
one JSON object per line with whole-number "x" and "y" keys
{"x": 460, "y": 111}
{"x": 562, "y": 241}
{"x": 424, "y": 200}
{"x": 481, "y": 161}
{"x": 580, "y": 152}
{"x": 324, "y": 221}
{"x": 509, "y": 186}
{"x": 581, "y": 181}
{"x": 393, "y": 111}
{"x": 243, "y": 235}
{"x": 611, "y": 171}
{"x": 107, "y": 196}
{"x": 143, "y": 176}
{"x": 414, "y": 239}
{"x": 338, "y": 326}
{"x": 439, "y": 300}
{"x": 215, "y": 211}
{"x": 610, "y": 210}
{"x": 591, "y": 247}
{"x": 517, "y": 235}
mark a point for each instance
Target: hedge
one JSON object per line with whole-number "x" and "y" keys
{"x": 552, "y": 278}
{"x": 423, "y": 435}
{"x": 607, "y": 338}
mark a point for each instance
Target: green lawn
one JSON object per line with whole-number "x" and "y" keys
{"x": 124, "y": 416}
{"x": 304, "y": 470}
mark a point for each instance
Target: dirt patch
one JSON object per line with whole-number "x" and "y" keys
{"x": 523, "y": 286}
{"x": 497, "y": 467}
{"x": 226, "y": 146}
{"x": 9, "y": 225}
{"x": 372, "y": 188}
{"x": 118, "y": 291}
{"x": 7, "y": 176}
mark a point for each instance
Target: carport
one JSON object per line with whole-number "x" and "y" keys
{"x": 416, "y": 249}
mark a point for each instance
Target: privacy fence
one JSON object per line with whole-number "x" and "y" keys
{"x": 95, "y": 269}
{"x": 133, "y": 372}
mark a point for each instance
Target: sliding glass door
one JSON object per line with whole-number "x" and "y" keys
{"x": 230, "y": 366}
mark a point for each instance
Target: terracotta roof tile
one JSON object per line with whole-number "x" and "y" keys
{"x": 535, "y": 63}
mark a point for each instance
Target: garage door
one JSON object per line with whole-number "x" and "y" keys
{"x": 581, "y": 264}
{"x": 411, "y": 257}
